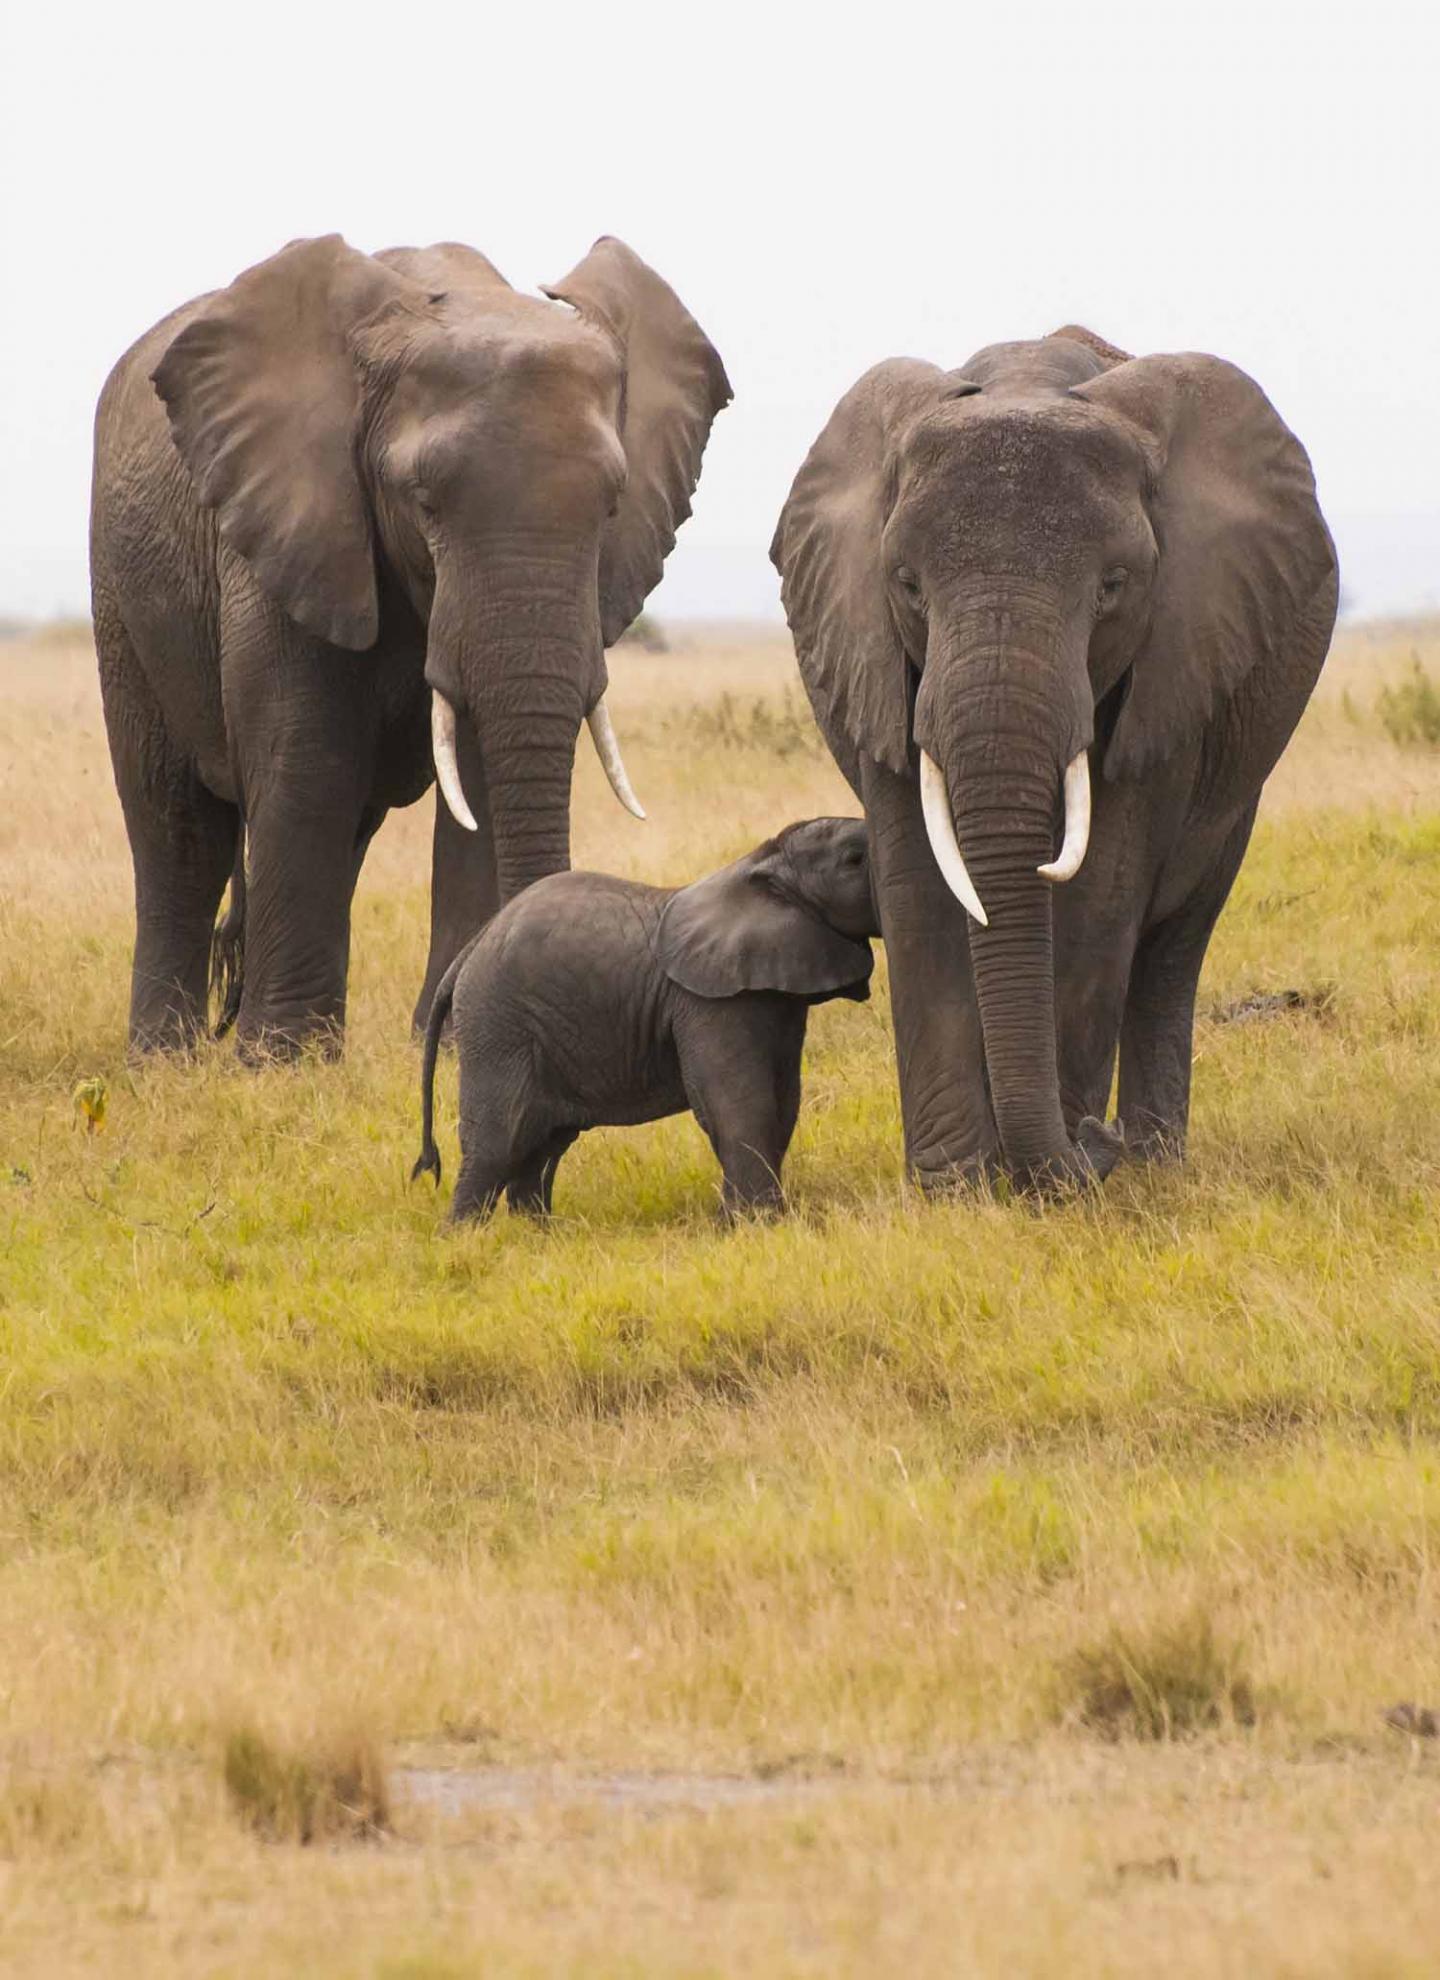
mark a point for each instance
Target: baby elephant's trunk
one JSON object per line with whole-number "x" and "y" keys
{"x": 227, "y": 948}
{"x": 429, "y": 1162}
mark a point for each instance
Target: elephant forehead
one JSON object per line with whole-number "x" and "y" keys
{"x": 521, "y": 342}
{"x": 1047, "y": 454}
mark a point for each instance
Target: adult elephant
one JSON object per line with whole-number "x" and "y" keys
{"x": 1057, "y": 570}
{"x": 349, "y": 512}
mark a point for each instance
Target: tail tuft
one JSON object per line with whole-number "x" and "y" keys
{"x": 428, "y": 1165}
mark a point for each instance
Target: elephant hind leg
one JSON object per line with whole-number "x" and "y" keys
{"x": 1157, "y": 1040}
{"x": 478, "y": 1190}
{"x": 531, "y": 1188}
{"x": 183, "y": 843}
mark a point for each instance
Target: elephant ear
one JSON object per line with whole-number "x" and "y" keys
{"x": 832, "y": 579}
{"x": 1246, "y": 562}
{"x": 736, "y": 931}
{"x": 263, "y": 396}
{"x": 674, "y": 386}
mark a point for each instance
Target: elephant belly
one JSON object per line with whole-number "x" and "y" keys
{"x": 619, "y": 1080}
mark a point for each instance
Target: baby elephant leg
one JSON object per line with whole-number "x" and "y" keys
{"x": 742, "y": 1075}
{"x": 478, "y": 1189}
{"x": 531, "y": 1187}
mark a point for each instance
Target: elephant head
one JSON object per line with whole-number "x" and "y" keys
{"x": 997, "y": 577}
{"x": 793, "y": 916}
{"x": 407, "y": 424}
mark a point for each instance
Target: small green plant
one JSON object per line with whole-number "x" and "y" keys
{"x": 306, "y": 1796}
{"x": 1410, "y": 711}
{"x": 1164, "y": 1682}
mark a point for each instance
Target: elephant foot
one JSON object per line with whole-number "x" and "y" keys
{"x": 973, "y": 1172}
{"x": 1088, "y": 1161}
{"x": 270, "y": 1045}
{"x": 1154, "y": 1140}
{"x": 732, "y": 1213}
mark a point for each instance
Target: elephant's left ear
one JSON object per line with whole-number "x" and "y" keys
{"x": 674, "y": 386}
{"x": 736, "y": 930}
{"x": 1246, "y": 575}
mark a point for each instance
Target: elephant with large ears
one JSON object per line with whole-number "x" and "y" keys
{"x": 353, "y": 514}
{"x": 1057, "y": 613}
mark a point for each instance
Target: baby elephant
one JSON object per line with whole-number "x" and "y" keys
{"x": 590, "y": 1001}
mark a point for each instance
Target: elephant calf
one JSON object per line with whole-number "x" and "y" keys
{"x": 590, "y": 1001}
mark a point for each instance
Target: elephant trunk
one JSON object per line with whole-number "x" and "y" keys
{"x": 1004, "y": 714}
{"x": 527, "y": 743}
{"x": 523, "y": 667}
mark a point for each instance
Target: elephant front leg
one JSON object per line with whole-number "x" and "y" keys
{"x": 740, "y": 1065}
{"x": 305, "y": 849}
{"x": 464, "y": 890}
{"x": 950, "y": 1133}
{"x": 1157, "y": 1041}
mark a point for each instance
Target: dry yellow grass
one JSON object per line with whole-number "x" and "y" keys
{"x": 790, "y": 1602}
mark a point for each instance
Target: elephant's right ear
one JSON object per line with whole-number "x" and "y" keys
{"x": 827, "y": 551}
{"x": 263, "y": 396}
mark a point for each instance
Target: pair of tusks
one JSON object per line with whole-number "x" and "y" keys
{"x": 940, "y": 826}
{"x": 447, "y": 765}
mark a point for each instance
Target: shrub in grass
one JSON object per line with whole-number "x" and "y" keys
{"x": 42, "y": 1812}
{"x": 1165, "y": 1681}
{"x": 307, "y": 1795}
{"x": 1410, "y": 711}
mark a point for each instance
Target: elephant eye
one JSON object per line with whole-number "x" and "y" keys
{"x": 1111, "y": 586}
{"x": 907, "y": 580}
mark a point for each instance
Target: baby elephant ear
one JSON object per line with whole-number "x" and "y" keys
{"x": 735, "y": 931}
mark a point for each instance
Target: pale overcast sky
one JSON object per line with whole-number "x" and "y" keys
{"x": 824, "y": 185}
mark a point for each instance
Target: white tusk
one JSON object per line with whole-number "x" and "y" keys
{"x": 447, "y": 767}
{"x": 607, "y": 748}
{"x": 940, "y": 825}
{"x": 1077, "y": 823}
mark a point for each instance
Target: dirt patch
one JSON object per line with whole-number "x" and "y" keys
{"x": 463, "y": 1790}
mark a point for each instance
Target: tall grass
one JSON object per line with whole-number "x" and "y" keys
{"x": 880, "y": 1496}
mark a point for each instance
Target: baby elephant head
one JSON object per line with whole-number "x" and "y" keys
{"x": 795, "y": 915}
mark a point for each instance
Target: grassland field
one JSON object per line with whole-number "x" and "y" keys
{"x": 903, "y": 1587}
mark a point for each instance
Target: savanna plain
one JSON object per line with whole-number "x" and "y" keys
{"x": 901, "y": 1587}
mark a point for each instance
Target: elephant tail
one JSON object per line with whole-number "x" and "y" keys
{"x": 429, "y": 1162}
{"x": 227, "y": 949}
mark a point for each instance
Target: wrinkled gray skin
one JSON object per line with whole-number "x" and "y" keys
{"x": 1056, "y": 548}
{"x": 593, "y": 1001}
{"x": 320, "y": 492}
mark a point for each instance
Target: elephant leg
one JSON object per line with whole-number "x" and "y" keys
{"x": 531, "y": 1189}
{"x": 477, "y": 1190}
{"x": 742, "y": 1078}
{"x": 464, "y": 890}
{"x": 305, "y": 850}
{"x": 1094, "y": 954}
{"x": 1158, "y": 1036}
{"x": 939, "y": 1047}
{"x": 304, "y": 727}
{"x": 183, "y": 841}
